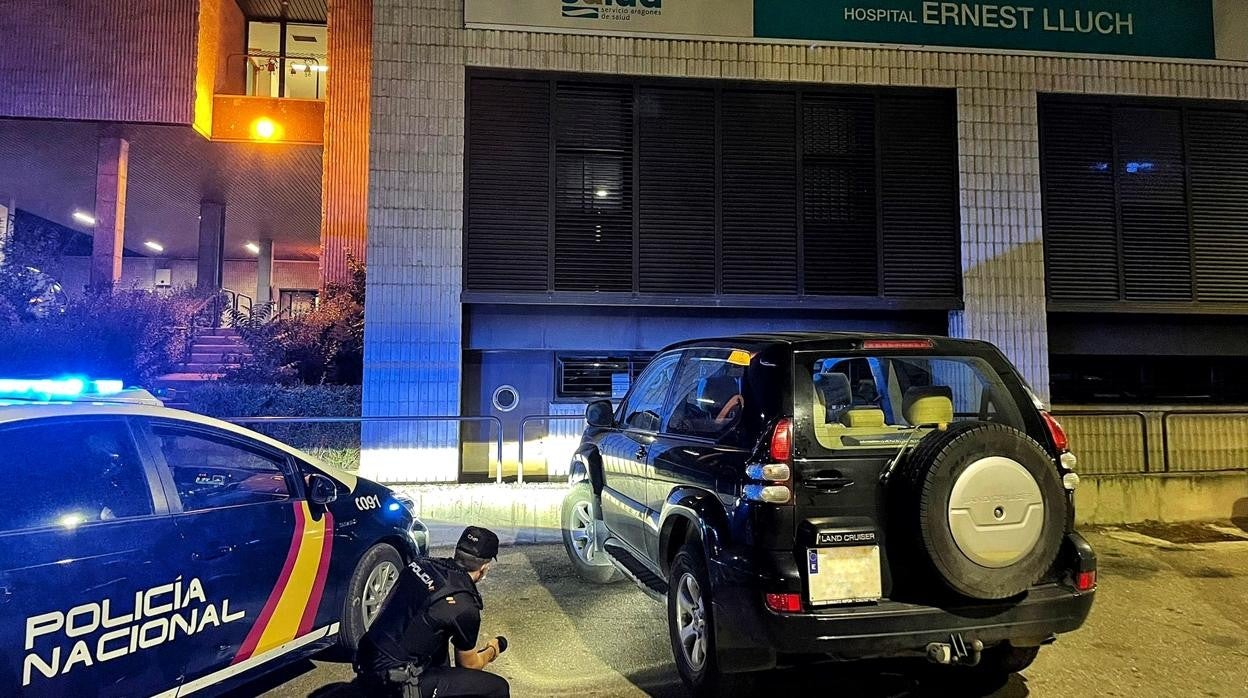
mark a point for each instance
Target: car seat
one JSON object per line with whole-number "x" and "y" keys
{"x": 928, "y": 404}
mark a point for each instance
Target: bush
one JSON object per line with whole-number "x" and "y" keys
{"x": 133, "y": 336}
{"x": 336, "y": 444}
{"x": 325, "y": 345}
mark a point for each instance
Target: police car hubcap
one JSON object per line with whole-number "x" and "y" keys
{"x": 996, "y": 512}
{"x": 378, "y": 585}
{"x": 583, "y": 532}
{"x": 691, "y": 621}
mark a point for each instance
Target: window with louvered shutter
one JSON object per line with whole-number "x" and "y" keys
{"x": 676, "y": 230}
{"x": 1145, "y": 202}
{"x": 593, "y": 187}
{"x": 1152, "y": 205}
{"x": 506, "y": 203}
{"x": 759, "y": 229}
{"x": 840, "y": 234}
{"x": 1080, "y": 219}
{"x": 919, "y": 197}
{"x": 1217, "y": 147}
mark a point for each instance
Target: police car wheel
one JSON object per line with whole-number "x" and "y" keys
{"x": 371, "y": 581}
{"x": 579, "y": 525}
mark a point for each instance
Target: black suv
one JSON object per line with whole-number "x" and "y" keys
{"x": 801, "y": 497}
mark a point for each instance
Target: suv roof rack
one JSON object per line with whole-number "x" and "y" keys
{"x": 72, "y": 389}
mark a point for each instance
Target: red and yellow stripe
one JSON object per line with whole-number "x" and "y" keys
{"x": 292, "y": 605}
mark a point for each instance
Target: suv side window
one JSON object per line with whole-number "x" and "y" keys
{"x": 70, "y": 472}
{"x": 643, "y": 408}
{"x": 708, "y": 399}
{"x": 212, "y": 471}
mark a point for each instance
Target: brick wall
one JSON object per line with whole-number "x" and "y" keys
{"x": 420, "y": 51}
{"x": 104, "y": 60}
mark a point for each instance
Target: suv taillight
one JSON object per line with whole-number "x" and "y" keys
{"x": 773, "y": 481}
{"x": 1058, "y": 434}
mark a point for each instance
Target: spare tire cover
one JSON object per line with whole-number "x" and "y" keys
{"x": 984, "y": 505}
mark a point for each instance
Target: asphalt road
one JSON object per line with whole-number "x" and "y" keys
{"x": 1170, "y": 620}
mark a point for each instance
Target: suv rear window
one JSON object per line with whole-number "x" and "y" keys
{"x": 876, "y": 401}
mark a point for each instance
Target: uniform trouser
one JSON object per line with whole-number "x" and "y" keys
{"x": 449, "y": 682}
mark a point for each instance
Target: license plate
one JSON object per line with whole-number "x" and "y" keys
{"x": 848, "y": 574}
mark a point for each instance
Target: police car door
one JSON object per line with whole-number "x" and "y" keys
{"x": 248, "y": 541}
{"x": 88, "y": 603}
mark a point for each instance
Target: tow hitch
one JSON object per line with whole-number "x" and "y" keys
{"x": 956, "y": 651}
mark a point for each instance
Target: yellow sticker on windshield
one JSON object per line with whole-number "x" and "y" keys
{"x": 739, "y": 357}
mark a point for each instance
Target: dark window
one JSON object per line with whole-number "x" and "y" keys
{"x": 759, "y": 238}
{"x": 1202, "y": 380}
{"x": 684, "y": 190}
{"x": 708, "y": 398}
{"x": 643, "y": 409}
{"x": 594, "y": 187}
{"x": 66, "y": 473}
{"x": 841, "y": 239}
{"x": 596, "y": 377}
{"x": 1145, "y": 202}
{"x": 213, "y": 471}
{"x": 506, "y": 203}
{"x": 676, "y": 231}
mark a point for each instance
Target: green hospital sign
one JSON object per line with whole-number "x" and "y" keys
{"x": 1157, "y": 28}
{"x": 1169, "y": 28}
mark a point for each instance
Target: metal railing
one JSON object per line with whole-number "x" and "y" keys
{"x": 498, "y": 426}
{"x": 1145, "y": 449}
{"x": 524, "y": 422}
{"x": 1219, "y": 438}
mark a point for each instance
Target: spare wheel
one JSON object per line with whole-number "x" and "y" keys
{"x": 985, "y": 506}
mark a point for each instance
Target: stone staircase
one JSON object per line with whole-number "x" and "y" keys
{"x": 213, "y": 351}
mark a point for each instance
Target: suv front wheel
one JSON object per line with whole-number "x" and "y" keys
{"x": 579, "y": 532}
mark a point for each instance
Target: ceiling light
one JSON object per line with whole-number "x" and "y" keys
{"x": 84, "y": 217}
{"x": 154, "y": 246}
{"x": 321, "y": 68}
{"x": 602, "y": 193}
{"x": 252, "y": 248}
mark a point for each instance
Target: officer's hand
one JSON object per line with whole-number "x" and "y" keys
{"x": 501, "y": 643}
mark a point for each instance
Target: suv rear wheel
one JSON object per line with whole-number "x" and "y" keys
{"x": 579, "y": 531}
{"x": 691, "y": 626}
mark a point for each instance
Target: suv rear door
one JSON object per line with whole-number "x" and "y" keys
{"x": 85, "y": 541}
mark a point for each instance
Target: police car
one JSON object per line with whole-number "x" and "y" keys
{"x": 150, "y": 551}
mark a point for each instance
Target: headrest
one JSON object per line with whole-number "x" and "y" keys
{"x": 716, "y": 391}
{"x": 834, "y": 390}
{"x": 863, "y": 417}
{"x": 928, "y": 404}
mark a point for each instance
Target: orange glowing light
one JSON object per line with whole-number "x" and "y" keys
{"x": 264, "y": 129}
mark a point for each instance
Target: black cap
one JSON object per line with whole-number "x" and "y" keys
{"x": 479, "y": 542}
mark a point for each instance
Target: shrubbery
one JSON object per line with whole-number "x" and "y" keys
{"x": 325, "y": 345}
{"x": 337, "y": 444}
{"x": 133, "y": 336}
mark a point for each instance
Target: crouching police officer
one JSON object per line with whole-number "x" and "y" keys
{"x": 435, "y": 601}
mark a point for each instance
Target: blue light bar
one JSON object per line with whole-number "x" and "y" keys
{"x": 71, "y": 386}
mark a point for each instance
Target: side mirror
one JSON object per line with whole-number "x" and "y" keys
{"x": 321, "y": 489}
{"x": 600, "y": 414}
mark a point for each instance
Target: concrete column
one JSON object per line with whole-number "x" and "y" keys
{"x": 210, "y": 268}
{"x": 111, "y": 167}
{"x": 264, "y": 271}
{"x": 344, "y": 179}
{"x": 1002, "y": 231}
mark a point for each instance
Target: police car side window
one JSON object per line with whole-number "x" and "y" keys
{"x": 70, "y": 472}
{"x": 213, "y": 471}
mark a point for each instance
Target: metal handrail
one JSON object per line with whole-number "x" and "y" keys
{"x": 1121, "y": 413}
{"x": 524, "y": 421}
{"x": 1165, "y": 430}
{"x": 498, "y": 423}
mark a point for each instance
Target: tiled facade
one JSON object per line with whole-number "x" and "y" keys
{"x": 421, "y": 52}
